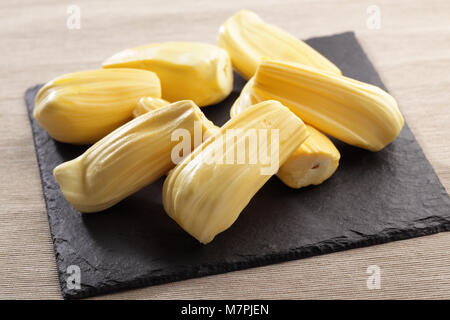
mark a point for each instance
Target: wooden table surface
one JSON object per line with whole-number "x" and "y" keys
{"x": 410, "y": 50}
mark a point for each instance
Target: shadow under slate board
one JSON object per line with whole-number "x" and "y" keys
{"x": 372, "y": 198}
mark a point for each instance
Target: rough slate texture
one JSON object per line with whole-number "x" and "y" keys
{"x": 372, "y": 198}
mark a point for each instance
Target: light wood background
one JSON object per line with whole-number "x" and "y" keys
{"x": 411, "y": 51}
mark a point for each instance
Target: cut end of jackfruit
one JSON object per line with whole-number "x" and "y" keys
{"x": 312, "y": 163}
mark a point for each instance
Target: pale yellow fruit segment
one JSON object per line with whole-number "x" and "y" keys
{"x": 188, "y": 70}
{"x": 147, "y": 104}
{"x": 312, "y": 163}
{"x": 355, "y": 112}
{"x": 83, "y": 107}
{"x": 205, "y": 197}
{"x": 127, "y": 159}
{"x": 245, "y": 99}
{"x": 248, "y": 40}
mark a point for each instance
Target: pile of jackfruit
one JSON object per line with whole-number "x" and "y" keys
{"x": 131, "y": 109}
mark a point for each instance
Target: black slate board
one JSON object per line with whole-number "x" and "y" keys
{"x": 373, "y": 198}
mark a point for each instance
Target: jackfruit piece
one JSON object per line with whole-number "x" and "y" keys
{"x": 248, "y": 40}
{"x": 206, "y": 192}
{"x": 188, "y": 70}
{"x": 354, "y": 112}
{"x": 83, "y": 107}
{"x": 147, "y": 104}
{"x": 128, "y": 159}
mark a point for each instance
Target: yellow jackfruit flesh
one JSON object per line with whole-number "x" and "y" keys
{"x": 248, "y": 40}
{"x": 83, "y": 107}
{"x": 246, "y": 98}
{"x": 147, "y": 104}
{"x": 312, "y": 163}
{"x": 355, "y": 112}
{"x": 205, "y": 193}
{"x": 188, "y": 70}
{"x": 126, "y": 160}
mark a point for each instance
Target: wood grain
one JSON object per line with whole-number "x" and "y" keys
{"x": 410, "y": 51}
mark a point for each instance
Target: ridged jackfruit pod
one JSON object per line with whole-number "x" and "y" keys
{"x": 205, "y": 193}
{"x": 83, "y": 107}
{"x": 246, "y": 98}
{"x": 127, "y": 159}
{"x": 312, "y": 163}
{"x": 355, "y": 112}
{"x": 147, "y": 104}
{"x": 188, "y": 70}
{"x": 248, "y": 39}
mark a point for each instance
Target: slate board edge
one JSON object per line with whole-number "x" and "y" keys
{"x": 61, "y": 279}
{"x": 314, "y": 250}
{"x": 419, "y": 228}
